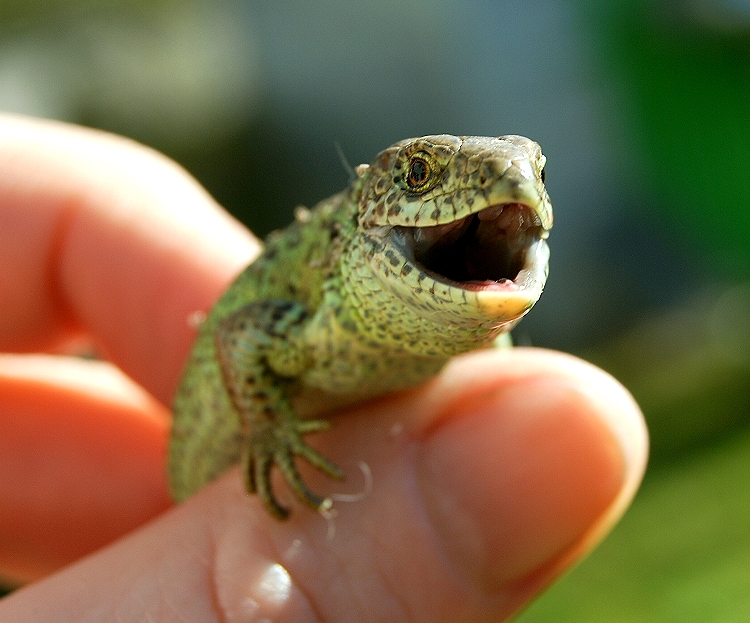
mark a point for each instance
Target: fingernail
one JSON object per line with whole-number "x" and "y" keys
{"x": 517, "y": 477}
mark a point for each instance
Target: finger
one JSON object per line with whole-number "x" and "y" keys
{"x": 486, "y": 484}
{"x": 103, "y": 235}
{"x": 81, "y": 460}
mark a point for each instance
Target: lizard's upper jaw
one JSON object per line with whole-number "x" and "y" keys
{"x": 500, "y": 253}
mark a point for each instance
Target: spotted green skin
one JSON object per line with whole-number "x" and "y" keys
{"x": 333, "y": 307}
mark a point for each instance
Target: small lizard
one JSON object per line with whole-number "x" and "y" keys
{"x": 436, "y": 248}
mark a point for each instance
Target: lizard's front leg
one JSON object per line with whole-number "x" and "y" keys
{"x": 260, "y": 352}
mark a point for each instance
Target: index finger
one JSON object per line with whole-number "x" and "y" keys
{"x": 100, "y": 234}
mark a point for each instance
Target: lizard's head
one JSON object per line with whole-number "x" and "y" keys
{"x": 464, "y": 219}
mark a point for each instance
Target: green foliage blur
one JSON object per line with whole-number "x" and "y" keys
{"x": 643, "y": 109}
{"x": 688, "y": 95}
{"x": 682, "y": 553}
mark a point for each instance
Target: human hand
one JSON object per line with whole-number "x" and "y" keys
{"x": 488, "y": 482}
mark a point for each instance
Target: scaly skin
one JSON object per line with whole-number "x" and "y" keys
{"x": 435, "y": 249}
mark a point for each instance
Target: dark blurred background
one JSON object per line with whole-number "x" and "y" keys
{"x": 643, "y": 110}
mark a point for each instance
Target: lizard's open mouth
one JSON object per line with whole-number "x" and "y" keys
{"x": 498, "y": 247}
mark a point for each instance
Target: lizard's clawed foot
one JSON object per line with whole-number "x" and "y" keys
{"x": 278, "y": 445}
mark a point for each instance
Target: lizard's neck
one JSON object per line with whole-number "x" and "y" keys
{"x": 386, "y": 310}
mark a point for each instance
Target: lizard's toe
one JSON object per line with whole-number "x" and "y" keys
{"x": 280, "y": 447}
{"x": 259, "y": 481}
{"x": 315, "y": 458}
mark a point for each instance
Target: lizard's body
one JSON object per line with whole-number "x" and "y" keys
{"x": 371, "y": 291}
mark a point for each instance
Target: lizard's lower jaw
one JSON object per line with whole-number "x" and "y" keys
{"x": 514, "y": 298}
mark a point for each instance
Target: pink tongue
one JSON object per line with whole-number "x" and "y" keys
{"x": 504, "y": 285}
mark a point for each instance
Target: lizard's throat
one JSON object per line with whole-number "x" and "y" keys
{"x": 500, "y": 246}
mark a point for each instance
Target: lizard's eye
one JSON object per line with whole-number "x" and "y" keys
{"x": 419, "y": 173}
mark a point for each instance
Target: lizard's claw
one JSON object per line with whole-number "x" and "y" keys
{"x": 271, "y": 446}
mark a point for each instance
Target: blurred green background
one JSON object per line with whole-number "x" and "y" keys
{"x": 643, "y": 109}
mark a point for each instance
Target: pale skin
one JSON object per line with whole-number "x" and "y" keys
{"x": 488, "y": 482}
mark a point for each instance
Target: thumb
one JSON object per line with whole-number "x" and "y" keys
{"x": 486, "y": 484}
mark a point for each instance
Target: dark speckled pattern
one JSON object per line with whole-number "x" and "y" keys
{"x": 338, "y": 305}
